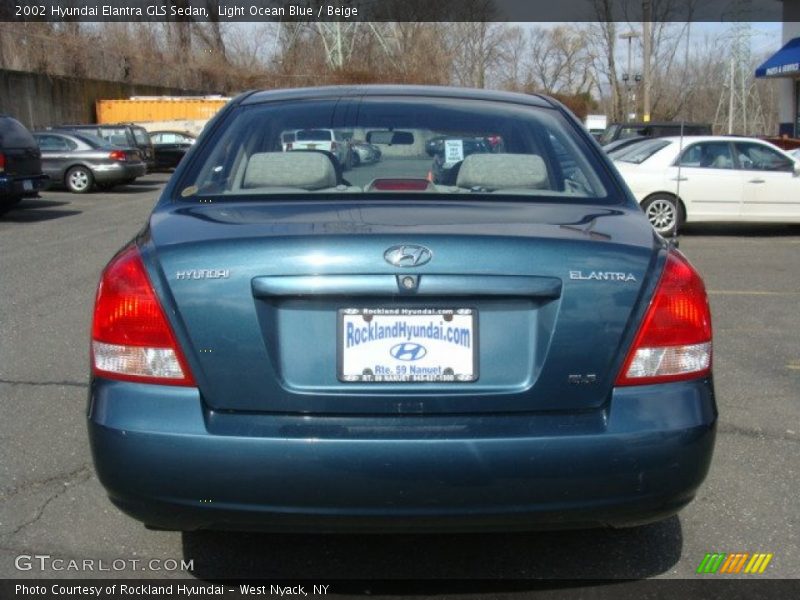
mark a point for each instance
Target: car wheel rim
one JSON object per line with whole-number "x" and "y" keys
{"x": 662, "y": 214}
{"x": 79, "y": 180}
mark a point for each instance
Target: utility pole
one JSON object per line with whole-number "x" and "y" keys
{"x": 732, "y": 85}
{"x": 740, "y": 94}
{"x": 339, "y": 37}
{"x": 647, "y": 16}
{"x": 628, "y": 76}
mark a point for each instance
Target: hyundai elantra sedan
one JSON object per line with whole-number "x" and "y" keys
{"x": 704, "y": 179}
{"x": 286, "y": 346}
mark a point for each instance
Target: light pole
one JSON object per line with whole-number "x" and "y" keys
{"x": 647, "y": 9}
{"x": 626, "y": 77}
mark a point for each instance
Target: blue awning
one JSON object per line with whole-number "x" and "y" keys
{"x": 784, "y": 63}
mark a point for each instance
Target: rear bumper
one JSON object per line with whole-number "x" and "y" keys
{"x": 118, "y": 172}
{"x": 15, "y": 187}
{"x": 169, "y": 462}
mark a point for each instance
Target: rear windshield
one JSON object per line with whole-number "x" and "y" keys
{"x": 314, "y": 134}
{"x": 117, "y": 136}
{"x": 640, "y": 152}
{"x": 609, "y": 135}
{"x": 626, "y": 133}
{"x": 14, "y": 135}
{"x": 141, "y": 136}
{"x": 92, "y": 140}
{"x": 427, "y": 145}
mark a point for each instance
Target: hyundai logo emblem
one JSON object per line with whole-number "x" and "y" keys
{"x": 408, "y": 351}
{"x": 408, "y": 255}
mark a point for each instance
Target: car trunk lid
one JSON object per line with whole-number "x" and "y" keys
{"x": 262, "y": 292}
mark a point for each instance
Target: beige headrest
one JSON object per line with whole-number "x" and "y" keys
{"x": 307, "y": 170}
{"x": 502, "y": 171}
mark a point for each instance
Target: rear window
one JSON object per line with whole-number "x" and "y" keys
{"x": 390, "y": 137}
{"x": 491, "y": 148}
{"x": 92, "y": 140}
{"x": 640, "y": 152}
{"x": 314, "y": 134}
{"x": 141, "y": 136}
{"x": 631, "y": 132}
{"x": 118, "y": 136}
{"x": 609, "y": 135}
{"x": 13, "y": 134}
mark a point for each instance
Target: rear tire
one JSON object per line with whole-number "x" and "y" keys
{"x": 79, "y": 180}
{"x": 665, "y": 213}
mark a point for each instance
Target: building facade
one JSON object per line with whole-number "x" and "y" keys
{"x": 784, "y": 67}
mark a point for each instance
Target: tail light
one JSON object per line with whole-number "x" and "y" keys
{"x": 118, "y": 155}
{"x": 674, "y": 339}
{"x": 131, "y": 337}
{"x": 2, "y": 162}
{"x": 334, "y": 146}
{"x": 289, "y": 147}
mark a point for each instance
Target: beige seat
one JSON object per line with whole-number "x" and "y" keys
{"x": 503, "y": 171}
{"x": 305, "y": 170}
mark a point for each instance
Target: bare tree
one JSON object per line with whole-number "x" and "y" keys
{"x": 558, "y": 61}
{"x": 601, "y": 38}
{"x": 513, "y": 74}
{"x": 211, "y": 33}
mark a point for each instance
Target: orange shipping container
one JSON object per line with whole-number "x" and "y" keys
{"x": 157, "y": 109}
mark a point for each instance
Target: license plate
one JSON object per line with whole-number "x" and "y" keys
{"x": 409, "y": 345}
{"x": 27, "y": 185}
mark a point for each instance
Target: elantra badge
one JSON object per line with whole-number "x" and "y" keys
{"x": 601, "y": 276}
{"x": 408, "y": 255}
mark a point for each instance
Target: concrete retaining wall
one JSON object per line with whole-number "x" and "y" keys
{"x": 39, "y": 100}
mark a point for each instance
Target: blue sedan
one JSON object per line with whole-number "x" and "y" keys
{"x": 287, "y": 346}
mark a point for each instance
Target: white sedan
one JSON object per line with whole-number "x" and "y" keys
{"x": 711, "y": 178}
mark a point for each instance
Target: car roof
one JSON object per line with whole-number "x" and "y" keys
{"x": 713, "y": 138}
{"x": 661, "y": 124}
{"x": 357, "y": 91}
{"x": 92, "y": 126}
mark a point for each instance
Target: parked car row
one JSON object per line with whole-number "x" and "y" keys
{"x": 121, "y": 135}
{"x": 339, "y": 144}
{"x": 81, "y": 158}
{"x": 711, "y": 179}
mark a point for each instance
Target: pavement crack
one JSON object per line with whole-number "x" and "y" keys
{"x": 756, "y": 434}
{"x": 65, "y": 478}
{"x": 79, "y": 476}
{"x": 78, "y": 384}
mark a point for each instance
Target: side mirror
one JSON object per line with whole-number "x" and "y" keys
{"x": 796, "y": 169}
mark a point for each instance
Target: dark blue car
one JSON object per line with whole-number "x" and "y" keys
{"x": 289, "y": 346}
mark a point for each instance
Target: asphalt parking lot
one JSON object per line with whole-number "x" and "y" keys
{"x": 51, "y": 252}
